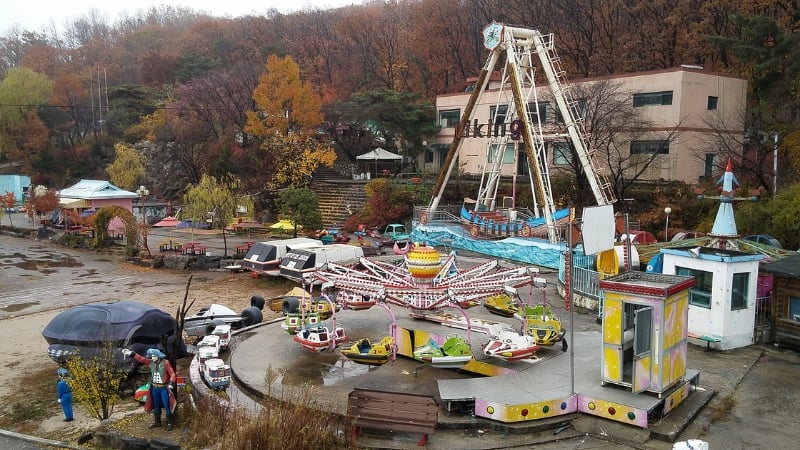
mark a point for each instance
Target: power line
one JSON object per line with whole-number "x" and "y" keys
{"x": 166, "y": 108}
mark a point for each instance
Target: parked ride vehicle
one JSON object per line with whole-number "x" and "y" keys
{"x": 207, "y": 319}
{"x": 395, "y": 232}
{"x": 763, "y": 239}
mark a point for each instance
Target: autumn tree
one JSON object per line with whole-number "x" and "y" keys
{"x": 22, "y": 93}
{"x": 612, "y": 124}
{"x": 774, "y": 215}
{"x": 302, "y": 207}
{"x": 127, "y": 168}
{"x": 768, "y": 53}
{"x": 285, "y": 122}
{"x": 41, "y": 200}
{"x": 95, "y": 381}
{"x": 387, "y": 203}
{"x": 217, "y": 200}
{"x": 7, "y": 201}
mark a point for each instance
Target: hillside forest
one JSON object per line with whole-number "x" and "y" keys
{"x": 267, "y": 98}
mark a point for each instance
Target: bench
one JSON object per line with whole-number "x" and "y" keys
{"x": 392, "y": 411}
{"x": 707, "y": 339}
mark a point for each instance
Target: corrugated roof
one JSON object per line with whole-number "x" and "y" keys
{"x": 95, "y": 190}
{"x": 785, "y": 267}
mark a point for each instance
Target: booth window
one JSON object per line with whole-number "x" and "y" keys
{"x": 700, "y": 294}
{"x": 741, "y": 283}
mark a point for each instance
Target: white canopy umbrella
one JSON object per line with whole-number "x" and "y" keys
{"x": 379, "y": 154}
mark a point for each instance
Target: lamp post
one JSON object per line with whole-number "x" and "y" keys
{"x": 143, "y": 192}
{"x": 667, "y": 210}
{"x": 775, "y": 166}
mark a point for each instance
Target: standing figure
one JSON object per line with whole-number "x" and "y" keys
{"x": 162, "y": 382}
{"x": 64, "y": 393}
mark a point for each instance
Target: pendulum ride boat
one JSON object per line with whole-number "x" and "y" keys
{"x": 355, "y": 301}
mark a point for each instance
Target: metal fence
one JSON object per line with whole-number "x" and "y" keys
{"x": 763, "y": 325}
{"x": 586, "y": 282}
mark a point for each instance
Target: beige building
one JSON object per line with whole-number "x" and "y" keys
{"x": 685, "y": 109}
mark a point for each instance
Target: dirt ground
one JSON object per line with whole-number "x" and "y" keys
{"x": 25, "y": 350}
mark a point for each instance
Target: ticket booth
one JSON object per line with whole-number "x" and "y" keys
{"x": 645, "y": 317}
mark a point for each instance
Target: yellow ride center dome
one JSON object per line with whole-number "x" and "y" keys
{"x": 423, "y": 261}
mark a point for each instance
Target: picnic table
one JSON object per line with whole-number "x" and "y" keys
{"x": 169, "y": 246}
{"x": 188, "y": 248}
{"x": 244, "y": 247}
{"x": 194, "y": 249}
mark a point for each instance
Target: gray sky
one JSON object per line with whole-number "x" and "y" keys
{"x": 37, "y": 15}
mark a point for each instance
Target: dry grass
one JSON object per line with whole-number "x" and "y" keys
{"x": 297, "y": 421}
{"x": 724, "y": 407}
{"x": 31, "y": 402}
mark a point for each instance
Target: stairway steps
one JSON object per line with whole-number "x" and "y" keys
{"x": 335, "y": 193}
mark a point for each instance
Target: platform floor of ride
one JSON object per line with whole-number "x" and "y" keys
{"x": 267, "y": 361}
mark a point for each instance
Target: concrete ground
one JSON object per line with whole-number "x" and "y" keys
{"x": 749, "y": 408}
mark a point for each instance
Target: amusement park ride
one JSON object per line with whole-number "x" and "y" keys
{"x": 425, "y": 282}
{"x": 522, "y": 49}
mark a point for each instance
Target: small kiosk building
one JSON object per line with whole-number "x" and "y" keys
{"x": 645, "y": 318}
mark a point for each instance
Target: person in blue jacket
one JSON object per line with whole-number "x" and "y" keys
{"x": 64, "y": 393}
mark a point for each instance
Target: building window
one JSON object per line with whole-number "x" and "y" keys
{"x": 650, "y": 147}
{"x": 708, "y": 166}
{"x": 794, "y": 308}
{"x": 449, "y": 118}
{"x": 652, "y": 99}
{"x": 700, "y": 293}
{"x": 712, "y": 103}
{"x": 562, "y": 153}
{"x": 508, "y": 155}
{"x": 579, "y": 108}
{"x": 741, "y": 283}
{"x": 522, "y": 162}
{"x": 538, "y": 112}
{"x": 428, "y": 156}
{"x": 498, "y": 113}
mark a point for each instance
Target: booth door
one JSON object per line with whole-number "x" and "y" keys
{"x": 643, "y": 349}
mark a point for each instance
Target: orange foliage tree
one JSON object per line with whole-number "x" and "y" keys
{"x": 41, "y": 200}
{"x": 286, "y": 119}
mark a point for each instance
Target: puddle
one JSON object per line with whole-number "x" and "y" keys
{"x": 45, "y": 264}
{"x": 17, "y": 307}
{"x": 89, "y": 272}
{"x": 321, "y": 369}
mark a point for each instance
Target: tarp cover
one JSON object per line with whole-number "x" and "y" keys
{"x": 104, "y": 322}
